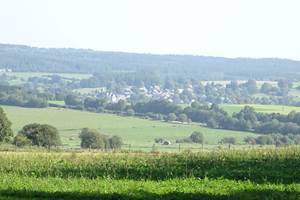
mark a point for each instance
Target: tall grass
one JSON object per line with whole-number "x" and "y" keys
{"x": 277, "y": 166}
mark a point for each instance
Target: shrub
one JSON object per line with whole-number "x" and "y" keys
{"x": 197, "y": 137}
{"x": 21, "y": 141}
{"x": 228, "y": 140}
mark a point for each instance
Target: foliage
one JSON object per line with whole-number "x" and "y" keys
{"x": 21, "y": 141}
{"x": 94, "y": 140}
{"x": 41, "y": 134}
{"x": 228, "y": 140}
{"x": 259, "y": 165}
{"x": 5, "y": 127}
{"x": 197, "y": 137}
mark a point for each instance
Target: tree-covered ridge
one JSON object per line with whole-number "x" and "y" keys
{"x": 24, "y": 58}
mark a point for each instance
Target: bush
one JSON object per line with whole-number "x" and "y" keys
{"x": 228, "y": 140}
{"x": 130, "y": 112}
{"x": 115, "y": 142}
{"x": 265, "y": 140}
{"x": 197, "y": 137}
{"x": 21, "y": 141}
{"x": 184, "y": 140}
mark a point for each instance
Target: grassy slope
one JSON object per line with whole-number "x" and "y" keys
{"x": 231, "y": 108}
{"x": 133, "y": 130}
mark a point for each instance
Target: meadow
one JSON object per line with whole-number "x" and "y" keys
{"x": 22, "y": 77}
{"x": 234, "y": 108}
{"x": 134, "y": 131}
{"x": 252, "y": 174}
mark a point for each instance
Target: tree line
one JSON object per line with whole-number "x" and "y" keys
{"x": 212, "y": 115}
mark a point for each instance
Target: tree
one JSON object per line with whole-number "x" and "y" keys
{"x": 72, "y": 100}
{"x": 93, "y": 139}
{"x": 5, "y": 127}
{"x": 41, "y": 135}
{"x": 48, "y": 136}
{"x": 183, "y": 117}
{"x": 172, "y": 117}
{"x": 30, "y": 131}
{"x": 197, "y": 137}
{"x": 115, "y": 142}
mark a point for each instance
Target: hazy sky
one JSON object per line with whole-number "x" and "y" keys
{"x": 230, "y": 28}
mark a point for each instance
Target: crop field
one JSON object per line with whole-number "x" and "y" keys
{"x": 247, "y": 175}
{"x": 225, "y": 82}
{"x": 134, "y": 131}
{"x": 231, "y": 108}
{"x": 22, "y": 77}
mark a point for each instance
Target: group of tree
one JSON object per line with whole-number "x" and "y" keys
{"x": 212, "y": 115}
{"x": 92, "y": 139}
{"x": 42, "y": 135}
{"x": 19, "y": 96}
{"x": 274, "y": 139}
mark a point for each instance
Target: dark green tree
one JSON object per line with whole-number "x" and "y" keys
{"x": 93, "y": 139}
{"x": 115, "y": 142}
{"x": 41, "y": 135}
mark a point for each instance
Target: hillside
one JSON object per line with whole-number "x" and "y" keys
{"x": 25, "y": 58}
{"x": 134, "y": 131}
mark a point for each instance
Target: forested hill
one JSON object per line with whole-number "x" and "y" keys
{"x": 24, "y": 58}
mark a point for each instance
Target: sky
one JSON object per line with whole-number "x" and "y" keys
{"x": 231, "y": 28}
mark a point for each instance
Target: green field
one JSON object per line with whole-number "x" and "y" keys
{"x": 222, "y": 175}
{"x": 134, "y": 131}
{"x": 231, "y": 108}
{"x": 22, "y": 77}
{"x": 59, "y": 103}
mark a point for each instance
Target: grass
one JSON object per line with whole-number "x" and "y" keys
{"x": 134, "y": 131}
{"x": 231, "y": 108}
{"x": 25, "y": 188}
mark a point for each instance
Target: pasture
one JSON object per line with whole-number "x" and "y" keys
{"x": 22, "y": 77}
{"x": 134, "y": 131}
{"x": 234, "y": 108}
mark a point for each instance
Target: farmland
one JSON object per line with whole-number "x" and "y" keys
{"x": 231, "y": 108}
{"x": 254, "y": 174}
{"x": 134, "y": 131}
